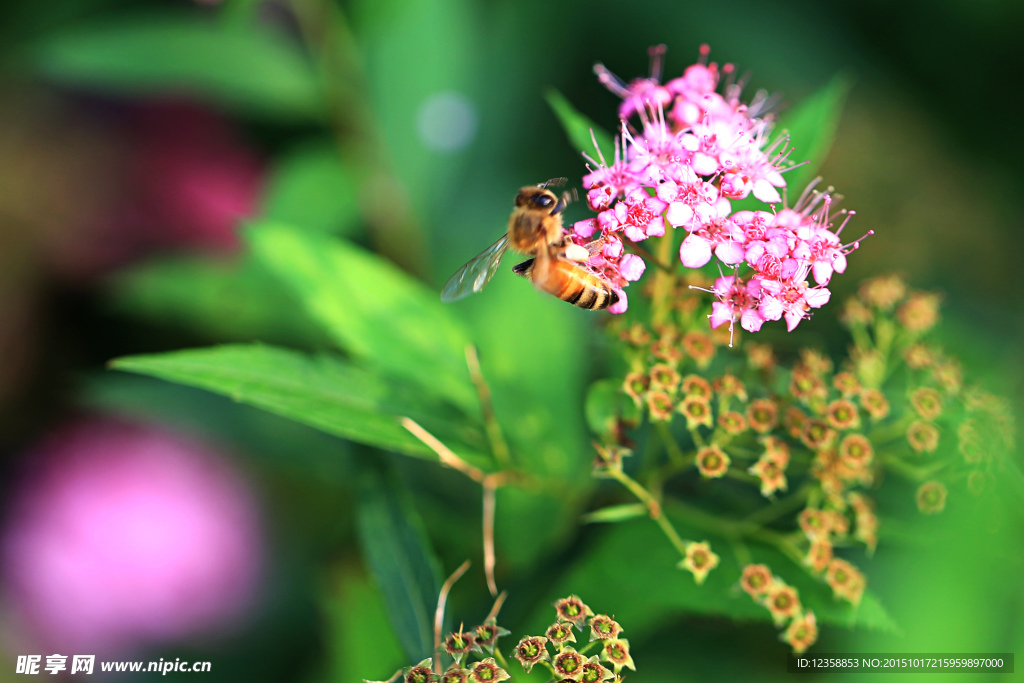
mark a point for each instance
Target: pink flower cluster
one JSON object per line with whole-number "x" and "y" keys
{"x": 698, "y": 149}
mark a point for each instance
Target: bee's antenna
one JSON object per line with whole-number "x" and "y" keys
{"x": 554, "y": 182}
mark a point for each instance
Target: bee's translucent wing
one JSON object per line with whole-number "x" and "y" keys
{"x": 475, "y": 275}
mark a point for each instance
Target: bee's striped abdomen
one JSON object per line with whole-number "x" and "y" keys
{"x": 574, "y": 284}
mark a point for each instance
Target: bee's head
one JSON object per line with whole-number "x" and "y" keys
{"x": 536, "y": 198}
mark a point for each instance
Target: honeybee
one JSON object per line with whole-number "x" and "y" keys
{"x": 535, "y": 228}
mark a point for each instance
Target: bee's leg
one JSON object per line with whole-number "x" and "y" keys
{"x": 524, "y": 269}
{"x": 541, "y": 270}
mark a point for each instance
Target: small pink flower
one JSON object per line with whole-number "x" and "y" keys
{"x": 791, "y": 300}
{"x": 613, "y": 249}
{"x": 721, "y": 235}
{"x": 608, "y": 183}
{"x": 737, "y": 302}
{"x": 641, "y": 94}
{"x": 692, "y": 203}
{"x": 640, "y": 216}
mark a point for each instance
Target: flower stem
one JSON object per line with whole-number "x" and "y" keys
{"x": 909, "y": 471}
{"x": 654, "y": 507}
{"x": 770, "y": 513}
{"x": 498, "y": 444}
{"x": 675, "y": 453}
{"x": 663, "y": 281}
{"x": 650, "y": 257}
{"x": 501, "y": 658}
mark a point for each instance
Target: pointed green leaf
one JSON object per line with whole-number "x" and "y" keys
{"x": 812, "y": 126}
{"x": 616, "y": 513}
{"x": 253, "y": 70}
{"x": 223, "y": 299}
{"x": 399, "y": 555}
{"x": 578, "y": 128}
{"x": 268, "y": 439}
{"x": 322, "y": 392}
{"x": 372, "y": 309}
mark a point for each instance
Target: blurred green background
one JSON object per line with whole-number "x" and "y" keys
{"x": 136, "y": 137}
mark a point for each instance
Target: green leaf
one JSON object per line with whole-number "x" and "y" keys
{"x": 267, "y": 439}
{"x": 312, "y": 188}
{"x": 812, "y": 127}
{"x": 372, "y": 310}
{"x": 643, "y": 594}
{"x": 578, "y": 128}
{"x": 322, "y": 392}
{"x": 398, "y": 552}
{"x": 224, "y": 299}
{"x": 616, "y": 513}
{"x": 250, "y": 69}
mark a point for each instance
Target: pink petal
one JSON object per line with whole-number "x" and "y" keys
{"x": 722, "y": 207}
{"x": 679, "y": 214}
{"x": 585, "y": 228}
{"x": 613, "y": 249}
{"x": 764, "y": 191}
{"x": 720, "y": 314}
{"x": 607, "y": 220}
{"x": 634, "y": 233}
{"x": 789, "y": 268}
{"x": 730, "y": 253}
{"x": 793, "y": 318}
{"x": 802, "y": 251}
{"x": 770, "y": 308}
{"x": 755, "y": 252}
{"x": 656, "y": 228}
{"x": 632, "y": 267}
{"x": 839, "y": 262}
{"x": 751, "y": 320}
{"x": 695, "y": 251}
{"x": 667, "y": 191}
{"x": 818, "y": 297}
{"x": 822, "y": 272}
{"x": 655, "y": 205}
{"x": 621, "y": 210}
{"x": 704, "y": 164}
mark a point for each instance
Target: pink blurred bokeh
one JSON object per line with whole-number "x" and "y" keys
{"x": 183, "y": 179}
{"x": 122, "y": 536}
